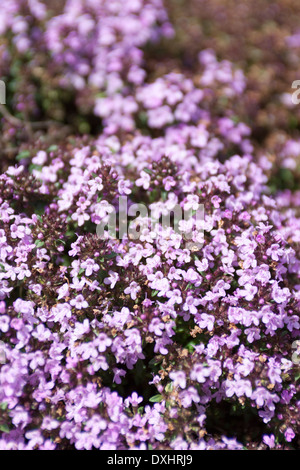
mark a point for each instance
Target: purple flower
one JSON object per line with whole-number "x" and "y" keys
{"x": 200, "y": 372}
{"x": 190, "y": 304}
{"x": 144, "y": 180}
{"x": 103, "y": 342}
{"x": 124, "y": 187}
{"x": 205, "y": 321}
{"x": 178, "y": 378}
{"x": 248, "y": 292}
{"x": 79, "y": 302}
{"x": 4, "y": 323}
{"x": 90, "y": 266}
{"x": 118, "y": 373}
{"x": 280, "y": 295}
{"x": 188, "y": 396}
{"x": 289, "y": 434}
{"x": 112, "y": 279}
{"x": 133, "y": 400}
{"x": 133, "y": 289}
{"x": 269, "y": 440}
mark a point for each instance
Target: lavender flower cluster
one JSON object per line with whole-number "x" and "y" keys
{"x": 148, "y": 343}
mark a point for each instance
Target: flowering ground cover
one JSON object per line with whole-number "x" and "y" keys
{"x": 150, "y": 335}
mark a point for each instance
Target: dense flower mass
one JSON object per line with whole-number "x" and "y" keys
{"x": 185, "y": 340}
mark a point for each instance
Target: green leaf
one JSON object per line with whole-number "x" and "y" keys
{"x": 111, "y": 255}
{"x": 143, "y": 118}
{"x": 155, "y": 361}
{"x": 39, "y": 243}
{"x": 69, "y": 234}
{"x": 4, "y": 428}
{"x": 3, "y": 405}
{"x": 22, "y": 155}
{"x": 59, "y": 241}
{"x": 34, "y": 167}
{"x": 156, "y": 398}
{"x": 52, "y": 148}
{"x": 164, "y": 195}
{"x": 190, "y": 346}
